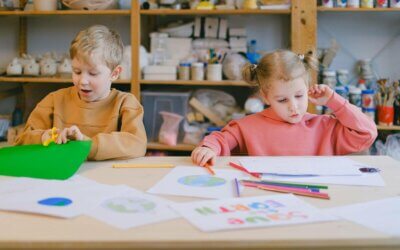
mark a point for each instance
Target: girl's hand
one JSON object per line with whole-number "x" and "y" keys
{"x": 71, "y": 133}
{"x": 202, "y": 155}
{"x": 320, "y": 94}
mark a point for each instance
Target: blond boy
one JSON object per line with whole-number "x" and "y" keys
{"x": 91, "y": 110}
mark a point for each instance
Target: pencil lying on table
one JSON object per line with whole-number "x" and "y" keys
{"x": 143, "y": 165}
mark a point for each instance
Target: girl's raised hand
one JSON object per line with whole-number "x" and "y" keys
{"x": 320, "y": 94}
{"x": 202, "y": 155}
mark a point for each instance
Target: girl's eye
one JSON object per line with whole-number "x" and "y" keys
{"x": 299, "y": 96}
{"x": 282, "y": 100}
{"x": 93, "y": 74}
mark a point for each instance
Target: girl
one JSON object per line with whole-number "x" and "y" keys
{"x": 285, "y": 127}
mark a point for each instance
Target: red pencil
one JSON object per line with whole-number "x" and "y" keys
{"x": 237, "y": 166}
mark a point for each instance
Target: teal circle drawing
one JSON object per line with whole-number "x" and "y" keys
{"x": 129, "y": 205}
{"x": 201, "y": 181}
{"x": 55, "y": 201}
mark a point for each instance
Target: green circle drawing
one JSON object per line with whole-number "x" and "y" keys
{"x": 129, "y": 205}
{"x": 201, "y": 181}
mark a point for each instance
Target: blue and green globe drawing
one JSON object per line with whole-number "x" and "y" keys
{"x": 129, "y": 205}
{"x": 201, "y": 181}
{"x": 55, "y": 202}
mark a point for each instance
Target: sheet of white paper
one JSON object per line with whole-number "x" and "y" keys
{"x": 295, "y": 165}
{"x": 55, "y": 198}
{"x": 366, "y": 179}
{"x": 260, "y": 211}
{"x": 381, "y": 215}
{"x": 132, "y": 208}
{"x": 197, "y": 182}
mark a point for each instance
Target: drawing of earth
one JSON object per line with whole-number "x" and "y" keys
{"x": 201, "y": 181}
{"x": 129, "y": 205}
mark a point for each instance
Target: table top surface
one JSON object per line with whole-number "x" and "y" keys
{"x": 21, "y": 230}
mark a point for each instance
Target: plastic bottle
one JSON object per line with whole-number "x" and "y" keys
{"x": 252, "y": 54}
{"x": 361, "y": 84}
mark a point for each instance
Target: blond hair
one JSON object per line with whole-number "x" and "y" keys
{"x": 283, "y": 65}
{"x": 98, "y": 40}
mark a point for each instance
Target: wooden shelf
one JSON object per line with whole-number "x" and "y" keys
{"x": 179, "y": 147}
{"x": 64, "y": 12}
{"x": 325, "y": 9}
{"x": 212, "y": 12}
{"x": 204, "y": 83}
{"x": 46, "y": 80}
{"x": 380, "y": 127}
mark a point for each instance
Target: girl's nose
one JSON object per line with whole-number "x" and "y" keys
{"x": 292, "y": 106}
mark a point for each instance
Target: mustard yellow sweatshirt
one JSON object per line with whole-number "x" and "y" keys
{"x": 114, "y": 124}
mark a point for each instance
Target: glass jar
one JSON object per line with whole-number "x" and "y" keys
{"x": 329, "y": 78}
{"x": 342, "y": 77}
{"x": 197, "y": 71}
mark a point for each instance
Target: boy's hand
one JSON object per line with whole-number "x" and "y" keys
{"x": 71, "y": 133}
{"x": 320, "y": 94}
{"x": 202, "y": 155}
{"x": 46, "y": 136}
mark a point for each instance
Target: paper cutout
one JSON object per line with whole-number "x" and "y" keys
{"x": 57, "y": 161}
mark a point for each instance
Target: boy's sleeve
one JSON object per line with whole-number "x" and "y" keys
{"x": 40, "y": 120}
{"x": 129, "y": 142}
{"x": 222, "y": 143}
{"x": 354, "y": 131}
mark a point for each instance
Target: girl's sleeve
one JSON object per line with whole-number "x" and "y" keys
{"x": 129, "y": 142}
{"x": 225, "y": 141}
{"x": 40, "y": 120}
{"x": 353, "y": 131}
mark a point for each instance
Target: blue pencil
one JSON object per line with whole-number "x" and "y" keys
{"x": 237, "y": 188}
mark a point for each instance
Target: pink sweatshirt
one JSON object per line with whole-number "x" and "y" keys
{"x": 264, "y": 133}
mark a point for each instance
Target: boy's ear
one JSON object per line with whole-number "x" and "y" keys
{"x": 116, "y": 72}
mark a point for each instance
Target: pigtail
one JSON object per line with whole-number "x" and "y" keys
{"x": 249, "y": 74}
{"x": 310, "y": 61}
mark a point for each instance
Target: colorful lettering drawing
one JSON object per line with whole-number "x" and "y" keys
{"x": 129, "y": 205}
{"x": 55, "y": 201}
{"x": 201, "y": 181}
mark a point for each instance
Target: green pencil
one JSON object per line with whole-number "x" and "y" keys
{"x": 288, "y": 184}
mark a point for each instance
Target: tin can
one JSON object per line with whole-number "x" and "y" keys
{"x": 395, "y": 4}
{"x": 370, "y": 113}
{"x": 327, "y": 3}
{"x": 341, "y": 3}
{"x": 382, "y": 3}
{"x": 197, "y": 71}
{"x": 353, "y": 3}
{"x": 367, "y": 3}
{"x": 184, "y": 71}
{"x": 367, "y": 97}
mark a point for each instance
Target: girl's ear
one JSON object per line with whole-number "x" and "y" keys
{"x": 116, "y": 72}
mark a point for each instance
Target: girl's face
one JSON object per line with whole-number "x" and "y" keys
{"x": 289, "y": 100}
{"x": 92, "y": 80}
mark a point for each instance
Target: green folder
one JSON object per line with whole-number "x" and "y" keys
{"x": 56, "y": 161}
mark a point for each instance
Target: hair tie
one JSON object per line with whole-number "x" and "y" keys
{"x": 301, "y": 56}
{"x": 253, "y": 66}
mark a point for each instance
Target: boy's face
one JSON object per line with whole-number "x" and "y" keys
{"x": 92, "y": 80}
{"x": 289, "y": 100}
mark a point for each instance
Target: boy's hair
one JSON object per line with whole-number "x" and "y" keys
{"x": 100, "y": 41}
{"x": 281, "y": 65}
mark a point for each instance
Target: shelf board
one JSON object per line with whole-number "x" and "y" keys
{"x": 325, "y": 9}
{"x": 380, "y": 127}
{"x": 211, "y": 12}
{"x": 205, "y": 83}
{"x": 46, "y": 80}
{"x": 179, "y": 147}
{"x": 64, "y": 12}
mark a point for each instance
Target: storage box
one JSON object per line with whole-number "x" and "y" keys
{"x": 154, "y": 102}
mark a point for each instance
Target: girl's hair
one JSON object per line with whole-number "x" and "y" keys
{"x": 98, "y": 40}
{"x": 279, "y": 65}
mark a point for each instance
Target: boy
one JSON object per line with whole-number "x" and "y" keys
{"x": 91, "y": 110}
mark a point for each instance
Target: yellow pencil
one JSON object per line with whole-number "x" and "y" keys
{"x": 143, "y": 165}
{"x": 208, "y": 167}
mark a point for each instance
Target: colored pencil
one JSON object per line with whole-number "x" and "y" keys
{"x": 237, "y": 187}
{"x": 143, "y": 165}
{"x": 209, "y": 169}
{"x": 237, "y": 166}
{"x": 288, "y": 184}
{"x": 296, "y": 191}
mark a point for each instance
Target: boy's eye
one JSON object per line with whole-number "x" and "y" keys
{"x": 76, "y": 72}
{"x": 93, "y": 73}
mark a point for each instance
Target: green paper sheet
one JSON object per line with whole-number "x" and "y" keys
{"x": 56, "y": 161}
